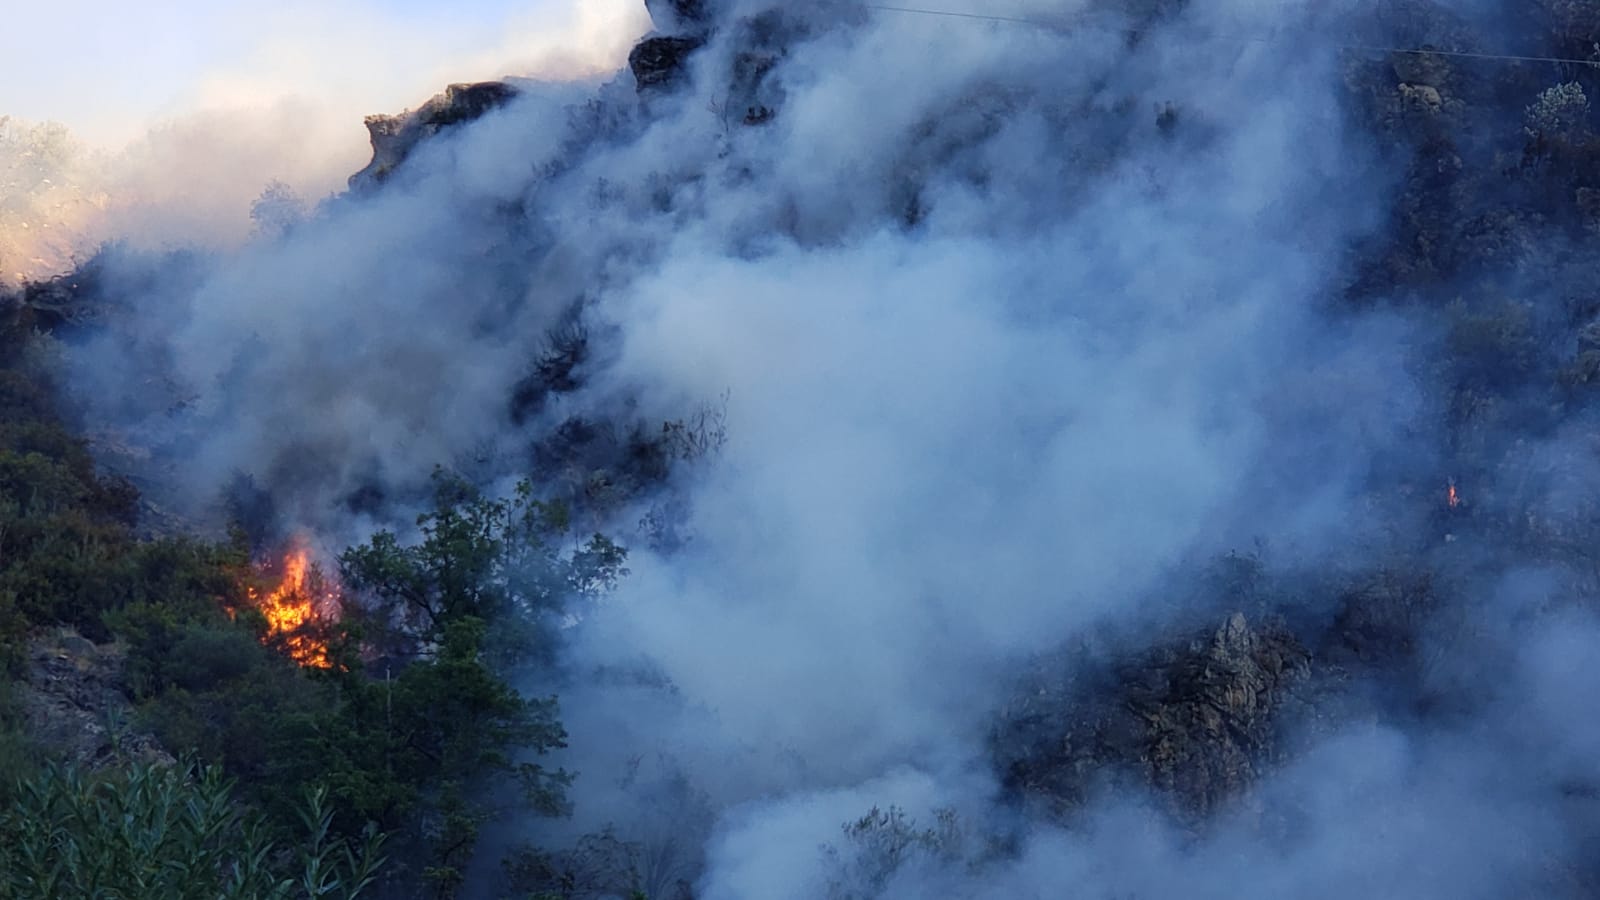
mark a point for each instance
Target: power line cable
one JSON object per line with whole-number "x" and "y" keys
{"x": 1468, "y": 54}
{"x": 1367, "y": 48}
{"x": 958, "y": 15}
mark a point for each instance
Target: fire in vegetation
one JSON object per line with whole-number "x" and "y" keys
{"x": 1452, "y": 496}
{"x": 296, "y": 608}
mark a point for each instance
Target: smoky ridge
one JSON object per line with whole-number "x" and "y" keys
{"x": 1142, "y": 446}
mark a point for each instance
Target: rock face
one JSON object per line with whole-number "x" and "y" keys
{"x": 679, "y": 16}
{"x": 76, "y": 703}
{"x": 1193, "y": 722}
{"x": 682, "y": 27}
{"x": 395, "y": 137}
{"x": 746, "y": 94}
{"x": 659, "y": 62}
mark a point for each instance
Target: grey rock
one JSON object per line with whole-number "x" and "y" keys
{"x": 74, "y": 699}
{"x": 1195, "y": 722}
{"x": 660, "y": 62}
{"x": 394, "y": 138}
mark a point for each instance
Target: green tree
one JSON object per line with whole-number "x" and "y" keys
{"x": 500, "y": 561}
{"x": 480, "y": 594}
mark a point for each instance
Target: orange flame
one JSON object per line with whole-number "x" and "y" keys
{"x": 294, "y": 608}
{"x": 1453, "y": 498}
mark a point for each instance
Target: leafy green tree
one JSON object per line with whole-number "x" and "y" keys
{"x": 479, "y": 594}
{"x": 500, "y": 561}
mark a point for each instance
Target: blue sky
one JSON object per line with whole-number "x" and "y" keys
{"x": 185, "y": 110}
{"x": 109, "y": 68}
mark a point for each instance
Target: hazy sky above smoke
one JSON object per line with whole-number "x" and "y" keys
{"x": 183, "y": 111}
{"x": 109, "y": 70}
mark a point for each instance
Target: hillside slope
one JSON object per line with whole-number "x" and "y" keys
{"x": 1149, "y": 448}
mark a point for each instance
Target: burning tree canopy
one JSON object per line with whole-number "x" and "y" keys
{"x": 298, "y": 607}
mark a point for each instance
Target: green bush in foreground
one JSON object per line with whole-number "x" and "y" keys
{"x": 155, "y": 832}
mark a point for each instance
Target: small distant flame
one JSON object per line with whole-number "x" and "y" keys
{"x": 301, "y": 601}
{"x": 1452, "y": 496}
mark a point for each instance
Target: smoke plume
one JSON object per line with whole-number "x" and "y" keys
{"x": 1017, "y": 326}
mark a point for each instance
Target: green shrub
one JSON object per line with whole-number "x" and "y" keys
{"x": 157, "y": 832}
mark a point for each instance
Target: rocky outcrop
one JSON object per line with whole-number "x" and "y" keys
{"x": 747, "y": 95}
{"x": 680, "y": 16}
{"x": 661, "y": 62}
{"x": 1194, "y": 723}
{"x": 395, "y": 137}
{"x": 75, "y": 703}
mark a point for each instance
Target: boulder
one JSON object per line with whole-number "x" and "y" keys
{"x": 1421, "y": 97}
{"x": 660, "y": 62}
{"x": 394, "y": 138}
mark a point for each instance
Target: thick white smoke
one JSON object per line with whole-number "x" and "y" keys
{"x": 1011, "y": 321}
{"x": 952, "y": 445}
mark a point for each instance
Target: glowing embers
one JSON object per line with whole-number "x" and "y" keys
{"x": 299, "y": 608}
